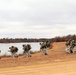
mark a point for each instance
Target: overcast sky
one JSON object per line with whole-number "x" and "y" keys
{"x": 37, "y": 18}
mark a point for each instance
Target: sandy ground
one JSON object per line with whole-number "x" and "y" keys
{"x": 58, "y": 62}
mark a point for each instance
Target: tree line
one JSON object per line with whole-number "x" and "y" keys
{"x": 63, "y": 38}
{"x": 55, "y": 39}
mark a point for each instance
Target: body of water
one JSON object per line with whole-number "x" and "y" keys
{"x": 4, "y": 47}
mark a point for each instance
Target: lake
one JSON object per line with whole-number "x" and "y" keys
{"x": 4, "y": 47}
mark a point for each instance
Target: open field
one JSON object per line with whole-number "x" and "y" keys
{"x": 58, "y": 62}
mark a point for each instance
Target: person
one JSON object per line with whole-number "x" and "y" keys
{"x": 26, "y": 49}
{"x": 43, "y": 48}
{"x": 13, "y": 51}
{"x": 68, "y": 45}
{"x": 72, "y": 45}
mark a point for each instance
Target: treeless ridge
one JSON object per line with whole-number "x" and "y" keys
{"x": 58, "y": 62}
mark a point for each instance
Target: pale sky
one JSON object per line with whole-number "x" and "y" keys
{"x": 37, "y": 18}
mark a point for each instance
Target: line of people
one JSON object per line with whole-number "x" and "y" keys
{"x": 44, "y": 46}
{"x": 27, "y": 47}
{"x": 26, "y": 52}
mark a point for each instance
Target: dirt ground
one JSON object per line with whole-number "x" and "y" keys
{"x": 58, "y": 62}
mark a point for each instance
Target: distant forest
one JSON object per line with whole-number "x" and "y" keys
{"x": 55, "y": 39}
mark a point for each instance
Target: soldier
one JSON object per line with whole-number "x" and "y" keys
{"x": 13, "y": 51}
{"x": 44, "y": 47}
{"x": 68, "y": 45}
{"x": 72, "y": 45}
{"x": 26, "y": 49}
